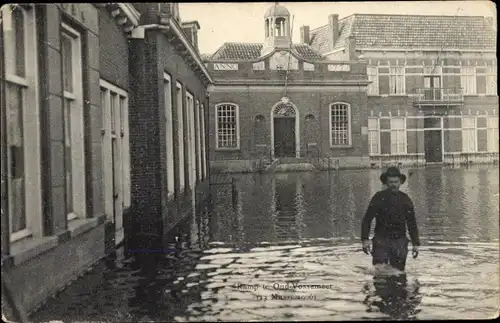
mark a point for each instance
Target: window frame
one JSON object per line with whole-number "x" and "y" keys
{"x": 397, "y": 131}
{"x": 372, "y": 73}
{"x": 349, "y": 125}
{"x": 237, "y": 126}
{"x": 489, "y": 130}
{"x": 198, "y": 140}
{"x": 377, "y": 132}
{"x": 169, "y": 134}
{"x": 179, "y": 101}
{"x": 31, "y": 147}
{"x": 394, "y": 76}
{"x": 76, "y": 124}
{"x": 472, "y": 130}
{"x": 191, "y": 139}
{"x": 490, "y": 80}
{"x": 463, "y": 77}
{"x": 204, "y": 142}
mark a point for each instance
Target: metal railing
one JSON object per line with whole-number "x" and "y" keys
{"x": 439, "y": 95}
{"x": 311, "y": 155}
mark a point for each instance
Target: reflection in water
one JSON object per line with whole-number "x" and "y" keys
{"x": 392, "y": 295}
{"x": 287, "y": 198}
{"x": 304, "y": 228}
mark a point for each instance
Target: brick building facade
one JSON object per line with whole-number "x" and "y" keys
{"x": 91, "y": 114}
{"x": 284, "y": 101}
{"x": 431, "y": 96}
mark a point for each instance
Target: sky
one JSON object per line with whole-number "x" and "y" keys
{"x": 244, "y": 21}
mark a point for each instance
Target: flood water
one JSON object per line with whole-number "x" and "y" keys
{"x": 256, "y": 256}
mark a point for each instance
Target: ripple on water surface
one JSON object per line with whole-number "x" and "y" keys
{"x": 289, "y": 250}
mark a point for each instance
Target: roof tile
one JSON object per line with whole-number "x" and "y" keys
{"x": 410, "y": 31}
{"x": 252, "y": 51}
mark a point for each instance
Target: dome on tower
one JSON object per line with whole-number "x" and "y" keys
{"x": 276, "y": 10}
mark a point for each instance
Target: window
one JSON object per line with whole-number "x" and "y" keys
{"x": 203, "y": 144}
{"x": 486, "y": 82}
{"x": 227, "y": 126}
{"x": 391, "y": 80}
{"x": 397, "y": 80}
{"x": 340, "y": 125}
{"x": 116, "y": 152}
{"x": 198, "y": 139}
{"x": 468, "y": 134}
{"x": 468, "y": 80}
{"x": 492, "y": 134}
{"x": 73, "y": 123}
{"x": 23, "y": 181}
{"x": 372, "y": 77}
{"x": 191, "y": 140}
{"x": 180, "y": 135}
{"x": 398, "y": 136}
{"x": 373, "y": 135}
{"x": 169, "y": 124}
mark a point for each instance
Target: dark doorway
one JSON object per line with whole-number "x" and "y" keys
{"x": 284, "y": 137}
{"x": 432, "y": 146}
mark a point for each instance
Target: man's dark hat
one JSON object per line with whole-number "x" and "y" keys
{"x": 392, "y": 172}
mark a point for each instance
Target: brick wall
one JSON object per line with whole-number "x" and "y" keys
{"x": 315, "y": 103}
{"x": 144, "y": 134}
{"x": 113, "y": 51}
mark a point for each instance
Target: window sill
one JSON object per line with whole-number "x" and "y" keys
{"x": 341, "y": 147}
{"x": 26, "y": 249}
{"x": 397, "y": 155}
{"x": 227, "y": 149}
{"x": 480, "y": 95}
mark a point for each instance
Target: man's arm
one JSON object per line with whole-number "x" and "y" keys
{"x": 412, "y": 224}
{"x": 371, "y": 212}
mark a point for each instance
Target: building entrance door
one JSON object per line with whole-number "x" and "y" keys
{"x": 432, "y": 146}
{"x": 284, "y": 136}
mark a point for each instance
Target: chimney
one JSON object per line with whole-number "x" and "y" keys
{"x": 350, "y": 48}
{"x": 333, "y": 30}
{"x": 304, "y": 35}
{"x": 191, "y": 28}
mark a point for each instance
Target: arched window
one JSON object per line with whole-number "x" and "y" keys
{"x": 340, "y": 124}
{"x": 227, "y": 126}
{"x": 267, "y": 28}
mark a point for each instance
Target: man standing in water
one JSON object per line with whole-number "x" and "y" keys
{"x": 393, "y": 211}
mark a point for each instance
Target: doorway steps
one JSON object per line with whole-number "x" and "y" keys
{"x": 290, "y": 164}
{"x": 270, "y": 165}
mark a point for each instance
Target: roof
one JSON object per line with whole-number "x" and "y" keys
{"x": 276, "y": 10}
{"x": 252, "y": 51}
{"x": 410, "y": 31}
